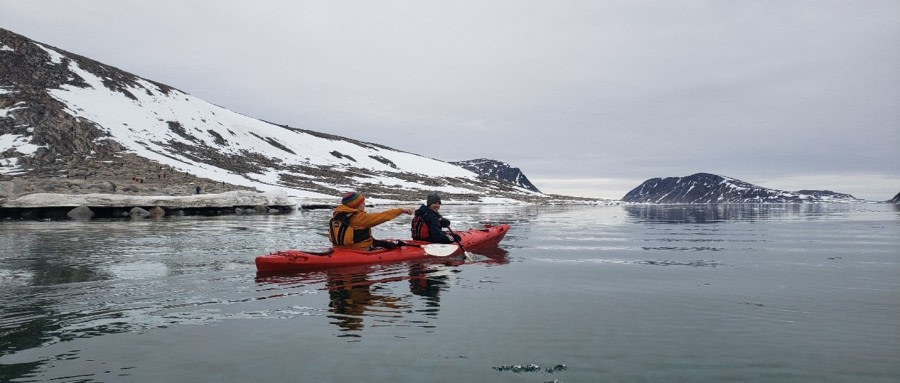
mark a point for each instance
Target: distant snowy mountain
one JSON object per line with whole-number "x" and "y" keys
{"x": 896, "y": 199}
{"x": 497, "y": 170}
{"x": 64, "y": 115}
{"x": 711, "y": 188}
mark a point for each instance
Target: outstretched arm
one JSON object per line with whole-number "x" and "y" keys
{"x": 366, "y": 220}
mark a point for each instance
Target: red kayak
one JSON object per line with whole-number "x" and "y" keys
{"x": 295, "y": 260}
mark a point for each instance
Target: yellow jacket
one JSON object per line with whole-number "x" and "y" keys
{"x": 356, "y": 232}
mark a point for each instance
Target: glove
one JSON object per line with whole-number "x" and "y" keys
{"x": 445, "y": 222}
{"x": 456, "y": 237}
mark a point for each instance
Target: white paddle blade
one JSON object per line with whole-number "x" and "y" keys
{"x": 440, "y": 249}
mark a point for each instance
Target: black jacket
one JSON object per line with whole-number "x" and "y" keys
{"x": 434, "y": 221}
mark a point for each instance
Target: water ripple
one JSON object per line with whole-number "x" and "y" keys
{"x": 662, "y": 262}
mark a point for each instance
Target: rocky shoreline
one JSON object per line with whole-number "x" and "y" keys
{"x": 68, "y": 198}
{"x": 161, "y": 181}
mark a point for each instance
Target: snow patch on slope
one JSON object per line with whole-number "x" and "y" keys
{"x": 55, "y": 57}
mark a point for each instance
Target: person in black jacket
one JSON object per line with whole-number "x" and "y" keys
{"x": 427, "y": 223}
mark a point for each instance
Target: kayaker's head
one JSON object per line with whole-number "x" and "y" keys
{"x": 354, "y": 200}
{"x": 433, "y": 202}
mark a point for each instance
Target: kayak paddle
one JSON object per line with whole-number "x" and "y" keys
{"x": 440, "y": 249}
{"x": 469, "y": 256}
{"x": 436, "y": 249}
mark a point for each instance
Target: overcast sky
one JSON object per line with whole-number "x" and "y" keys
{"x": 586, "y": 97}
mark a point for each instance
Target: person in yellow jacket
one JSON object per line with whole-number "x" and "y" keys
{"x": 350, "y": 226}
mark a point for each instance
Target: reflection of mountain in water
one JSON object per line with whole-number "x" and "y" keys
{"x": 713, "y": 213}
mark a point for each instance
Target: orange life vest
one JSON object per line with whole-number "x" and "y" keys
{"x": 340, "y": 232}
{"x": 420, "y": 229}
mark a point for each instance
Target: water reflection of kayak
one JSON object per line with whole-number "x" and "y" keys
{"x": 292, "y": 260}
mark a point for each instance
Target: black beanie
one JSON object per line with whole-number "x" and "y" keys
{"x": 432, "y": 199}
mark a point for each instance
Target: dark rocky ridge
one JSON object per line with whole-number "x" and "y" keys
{"x": 896, "y": 199}
{"x": 711, "y": 188}
{"x": 497, "y": 170}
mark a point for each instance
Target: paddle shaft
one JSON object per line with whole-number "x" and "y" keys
{"x": 466, "y": 253}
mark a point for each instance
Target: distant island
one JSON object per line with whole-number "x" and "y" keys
{"x": 711, "y": 188}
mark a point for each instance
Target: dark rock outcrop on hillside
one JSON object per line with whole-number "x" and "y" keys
{"x": 497, "y": 170}
{"x": 896, "y": 199}
{"x": 70, "y": 147}
{"x": 711, "y": 188}
{"x": 27, "y": 73}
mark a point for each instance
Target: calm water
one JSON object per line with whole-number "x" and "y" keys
{"x": 759, "y": 293}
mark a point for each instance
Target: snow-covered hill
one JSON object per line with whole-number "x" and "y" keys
{"x": 711, "y": 188}
{"x": 64, "y": 115}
